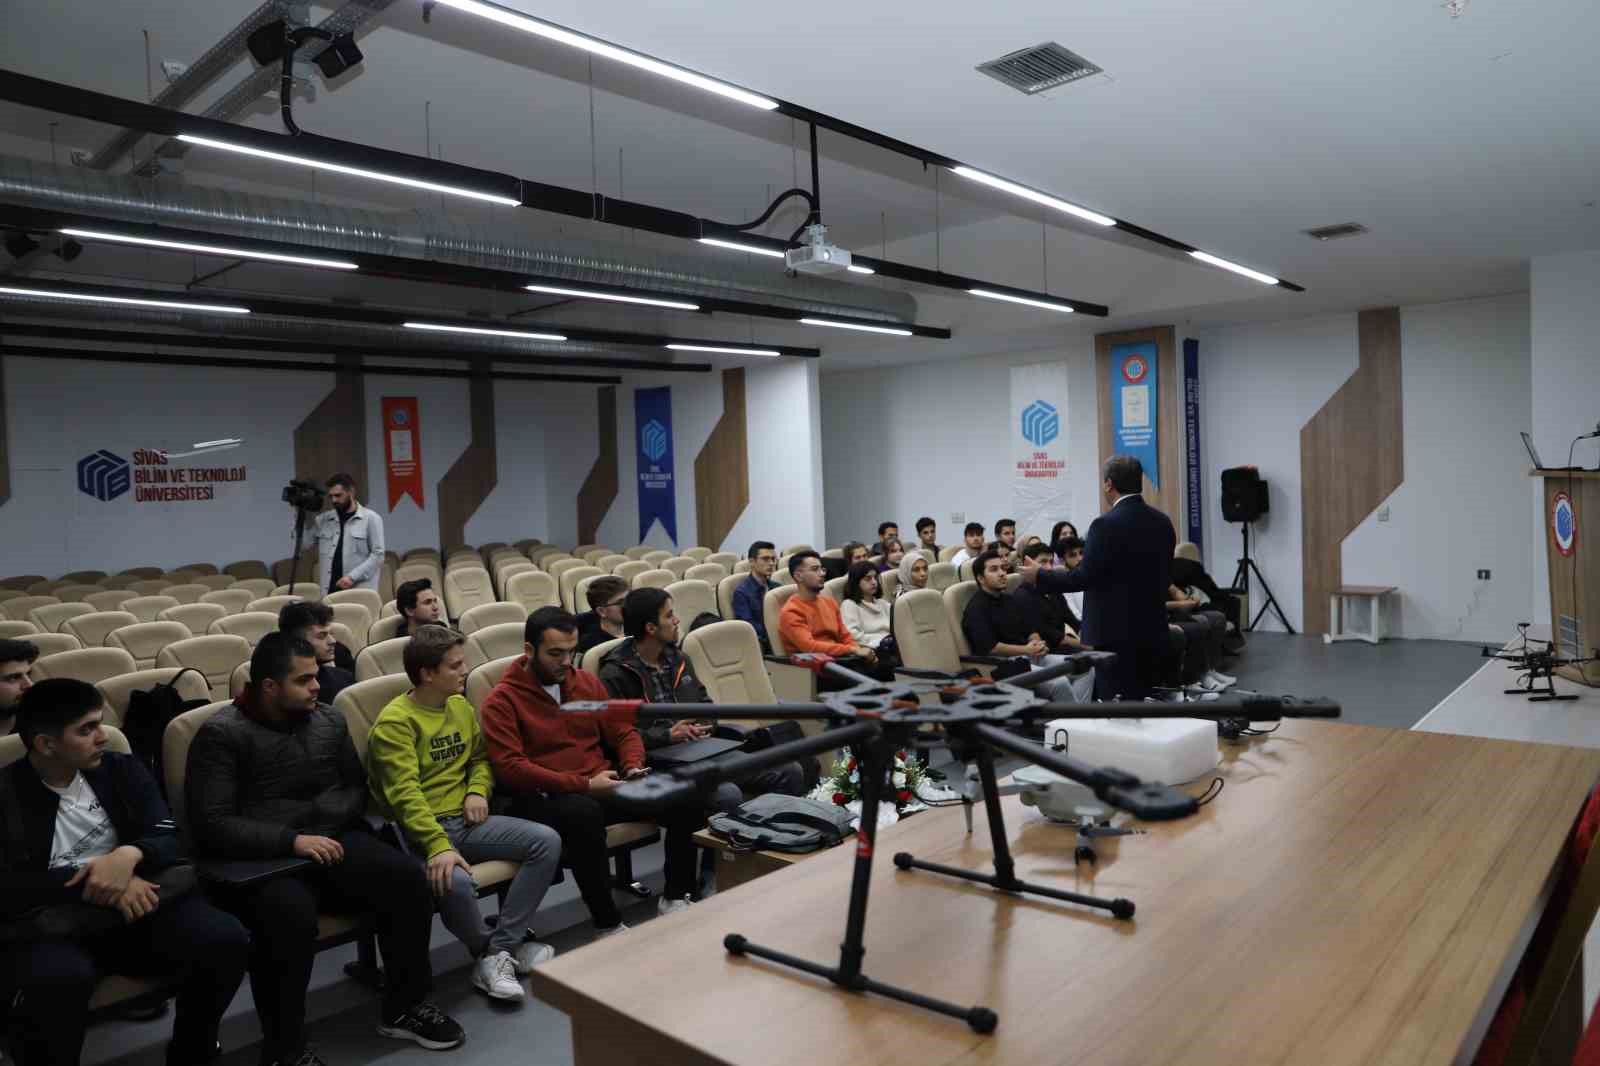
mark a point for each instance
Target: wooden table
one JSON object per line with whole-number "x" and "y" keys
{"x": 734, "y": 868}
{"x": 1354, "y": 895}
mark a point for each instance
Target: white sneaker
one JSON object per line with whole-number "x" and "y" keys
{"x": 496, "y": 976}
{"x": 1208, "y": 684}
{"x": 1222, "y": 680}
{"x": 530, "y": 954}
{"x": 667, "y": 905}
{"x": 620, "y": 927}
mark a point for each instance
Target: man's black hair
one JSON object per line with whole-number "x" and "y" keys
{"x": 547, "y": 618}
{"x": 274, "y": 657}
{"x": 924, "y": 522}
{"x": 405, "y": 597}
{"x": 886, "y": 525}
{"x": 642, "y": 608}
{"x": 1035, "y": 550}
{"x": 297, "y": 617}
{"x": 52, "y": 705}
{"x": 344, "y": 481}
{"x": 18, "y": 651}
{"x": 799, "y": 557}
{"x": 1003, "y": 523}
{"x": 982, "y": 561}
{"x": 760, "y": 546}
{"x": 973, "y": 527}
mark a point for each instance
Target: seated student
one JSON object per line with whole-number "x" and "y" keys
{"x": 428, "y": 771}
{"x": 811, "y": 622}
{"x": 1196, "y": 584}
{"x": 928, "y": 535}
{"x": 89, "y": 826}
{"x": 749, "y": 594}
{"x": 418, "y": 605}
{"x": 1058, "y": 620}
{"x": 1203, "y": 632}
{"x": 893, "y": 552}
{"x": 309, "y": 622}
{"x": 973, "y": 546}
{"x": 913, "y": 572}
{"x": 854, "y": 552}
{"x": 603, "y": 620}
{"x": 649, "y": 666}
{"x": 865, "y": 613}
{"x": 1005, "y": 534}
{"x": 997, "y": 622}
{"x": 887, "y": 531}
{"x": 275, "y": 776}
{"x": 1061, "y": 529}
{"x": 560, "y": 769}
{"x": 16, "y": 677}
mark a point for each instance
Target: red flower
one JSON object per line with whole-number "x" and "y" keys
{"x": 903, "y": 795}
{"x": 839, "y": 798}
{"x": 851, "y": 765}
{"x": 900, "y": 755}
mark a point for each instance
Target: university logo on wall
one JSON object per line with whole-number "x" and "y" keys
{"x": 103, "y": 475}
{"x": 1041, "y": 423}
{"x": 1563, "y": 523}
{"x": 1135, "y": 369}
{"x": 653, "y": 440}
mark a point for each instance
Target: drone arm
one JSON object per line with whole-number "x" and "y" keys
{"x": 1149, "y": 800}
{"x": 1254, "y": 708}
{"x": 736, "y": 766}
{"x": 632, "y": 711}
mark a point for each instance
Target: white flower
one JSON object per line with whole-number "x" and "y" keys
{"x": 899, "y": 780}
{"x": 855, "y": 775}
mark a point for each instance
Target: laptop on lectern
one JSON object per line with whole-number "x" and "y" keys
{"x": 1533, "y": 453}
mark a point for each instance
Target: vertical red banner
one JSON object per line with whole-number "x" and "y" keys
{"x": 402, "y": 448}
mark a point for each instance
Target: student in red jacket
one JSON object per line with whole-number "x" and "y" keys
{"x": 563, "y": 768}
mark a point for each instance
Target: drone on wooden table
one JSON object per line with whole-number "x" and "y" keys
{"x": 1536, "y": 661}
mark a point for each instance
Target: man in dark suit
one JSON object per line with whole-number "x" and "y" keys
{"x": 1127, "y": 566}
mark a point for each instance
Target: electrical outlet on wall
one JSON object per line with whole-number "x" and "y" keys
{"x": 1383, "y": 513}
{"x": 1483, "y": 575}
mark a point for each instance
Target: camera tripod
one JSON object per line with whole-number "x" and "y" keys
{"x": 1241, "y": 585}
{"x": 876, "y": 719}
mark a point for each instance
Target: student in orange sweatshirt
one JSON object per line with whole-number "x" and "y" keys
{"x": 558, "y": 766}
{"x": 810, "y": 622}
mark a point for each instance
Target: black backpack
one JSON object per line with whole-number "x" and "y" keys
{"x": 149, "y": 711}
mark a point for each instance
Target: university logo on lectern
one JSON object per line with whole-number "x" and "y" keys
{"x": 1563, "y": 523}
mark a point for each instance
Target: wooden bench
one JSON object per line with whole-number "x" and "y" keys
{"x": 1338, "y": 607}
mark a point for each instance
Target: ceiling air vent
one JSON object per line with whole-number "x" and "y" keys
{"x": 1033, "y": 70}
{"x": 1333, "y": 233}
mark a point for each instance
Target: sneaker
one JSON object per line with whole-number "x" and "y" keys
{"x": 620, "y": 927}
{"x": 496, "y": 977}
{"x": 669, "y": 905}
{"x": 1225, "y": 679}
{"x": 427, "y": 1026}
{"x": 531, "y": 953}
{"x": 305, "y": 1058}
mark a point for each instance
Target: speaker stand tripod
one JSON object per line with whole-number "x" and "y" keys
{"x": 1241, "y": 585}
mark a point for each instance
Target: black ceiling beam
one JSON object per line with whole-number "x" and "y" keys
{"x": 80, "y": 355}
{"x": 275, "y": 344}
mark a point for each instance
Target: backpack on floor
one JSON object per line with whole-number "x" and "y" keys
{"x": 149, "y": 711}
{"x": 782, "y": 823}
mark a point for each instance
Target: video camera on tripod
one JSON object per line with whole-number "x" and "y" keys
{"x": 304, "y": 496}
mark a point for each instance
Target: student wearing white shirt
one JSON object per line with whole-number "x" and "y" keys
{"x": 973, "y": 536}
{"x": 865, "y": 613}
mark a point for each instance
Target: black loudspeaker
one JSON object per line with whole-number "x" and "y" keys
{"x": 1244, "y": 494}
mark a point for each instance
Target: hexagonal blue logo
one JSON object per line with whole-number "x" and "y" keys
{"x": 1041, "y": 424}
{"x": 103, "y": 475}
{"x": 653, "y": 440}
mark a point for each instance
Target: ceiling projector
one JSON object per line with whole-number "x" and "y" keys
{"x": 816, "y": 255}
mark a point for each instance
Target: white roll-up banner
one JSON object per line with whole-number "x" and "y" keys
{"x": 1040, "y": 489}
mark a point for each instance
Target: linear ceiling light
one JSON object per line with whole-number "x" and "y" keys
{"x": 860, "y": 269}
{"x": 721, "y": 351}
{"x": 856, "y": 325}
{"x": 1033, "y": 194}
{"x": 1218, "y": 261}
{"x": 992, "y": 295}
{"x": 357, "y": 172}
{"x": 552, "y": 32}
{"x": 173, "y": 305}
{"x": 514, "y": 333}
{"x": 584, "y": 294}
{"x": 210, "y": 249}
{"x": 734, "y": 246}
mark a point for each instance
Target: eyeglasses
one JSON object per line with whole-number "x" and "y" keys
{"x": 615, "y": 603}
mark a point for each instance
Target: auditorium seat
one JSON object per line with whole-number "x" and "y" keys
{"x": 93, "y": 628}
{"x": 833, "y": 588}
{"x": 21, "y": 582}
{"x": 964, "y": 571}
{"x": 580, "y": 591}
{"x": 119, "y": 689}
{"x": 591, "y": 658}
{"x": 494, "y": 642}
{"x": 833, "y": 553}
{"x": 460, "y": 559}
{"x": 697, "y": 553}
{"x": 144, "y": 640}
{"x": 569, "y": 582}
{"x": 362, "y": 702}
{"x": 727, "y": 659}
{"x": 187, "y": 593}
{"x": 482, "y": 680}
{"x": 691, "y": 599}
{"x": 300, "y": 590}
{"x": 561, "y": 566}
{"x": 711, "y": 573}
{"x": 541, "y": 552}
{"x": 11, "y": 594}
{"x": 956, "y": 598}
{"x": 656, "y": 558}
{"x": 17, "y": 630}
{"x": 215, "y": 655}
{"x": 74, "y": 592}
{"x": 342, "y": 634}
{"x": 639, "y": 552}
{"x": 389, "y": 607}
{"x": 357, "y": 619}
{"x": 282, "y": 570}
{"x": 533, "y": 589}
{"x": 419, "y": 553}
{"x": 741, "y": 566}
{"x": 144, "y": 573}
{"x": 232, "y": 601}
{"x": 383, "y": 657}
{"x": 791, "y": 549}
{"x": 238, "y": 680}
{"x": 630, "y": 570}
{"x": 591, "y": 558}
{"x": 491, "y": 614}
{"x": 147, "y": 608}
{"x": 385, "y": 628}
{"x": 783, "y": 577}
{"x": 20, "y": 607}
{"x": 941, "y": 576}
{"x": 505, "y": 570}
{"x": 49, "y": 616}
{"x": 52, "y": 643}
{"x": 417, "y": 570}
{"x": 270, "y": 604}
{"x": 249, "y": 625}
{"x": 771, "y": 608}
{"x": 726, "y": 560}
{"x": 609, "y": 563}
{"x": 86, "y": 664}
{"x": 108, "y": 599}
{"x": 156, "y": 586}
{"x": 365, "y": 597}
{"x": 678, "y": 564}
{"x": 888, "y": 584}
{"x": 197, "y": 617}
{"x": 466, "y": 587}
{"x": 256, "y": 586}
{"x": 44, "y": 588}
{"x": 725, "y": 589}
{"x": 200, "y": 568}
{"x": 246, "y": 569}
{"x": 118, "y": 581}
{"x": 922, "y": 631}
{"x": 949, "y": 551}
{"x": 85, "y": 577}
{"x": 216, "y": 581}
{"x": 527, "y": 544}
{"x": 653, "y": 579}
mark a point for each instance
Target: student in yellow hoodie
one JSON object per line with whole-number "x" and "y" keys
{"x": 428, "y": 770}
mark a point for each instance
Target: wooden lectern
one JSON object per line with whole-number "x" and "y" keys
{"x": 1572, "y": 542}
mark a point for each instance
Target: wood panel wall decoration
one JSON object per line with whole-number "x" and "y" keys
{"x": 1352, "y": 457}
{"x": 332, "y": 439}
{"x": 474, "y": 474}
{"x": 599, "y": 489}
{"x": 5, "y": 439}
{"x": 722, "y": 469}
{"x": 1168, "y": 496}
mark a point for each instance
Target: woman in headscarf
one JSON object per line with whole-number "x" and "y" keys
{"x": 913, "y": 573}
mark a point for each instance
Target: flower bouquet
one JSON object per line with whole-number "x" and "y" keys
{"x": 899, "y": 796}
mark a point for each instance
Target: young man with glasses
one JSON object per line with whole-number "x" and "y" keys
{"x": 751, "y": 593}
{"x": 603, "y": 620}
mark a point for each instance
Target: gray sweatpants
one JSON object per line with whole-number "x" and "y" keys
{"x": 537, "y": 847}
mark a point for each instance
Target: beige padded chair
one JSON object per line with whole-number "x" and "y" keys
{"x": 362, "y": 702}
{"x": 49, "y": 616}
{"x": 630, "y": 570}
{"x": 833, "y": 553}
{"x": 232, "y": 601}
{"x": 583, "y": 549}
{"x": 922, "y": 631}
{"x": 783, "y": 577}
{"x": 656, "y": 558}
{"x": 638, "y": 552}
{"x": 941, "y": 576}
{"x": 888, "y": 585}
{"x": 144, "y": 573}
{"x": 383, "y": 657}
{"x": 44, "y": 588}
{"x": 77, "y": 592}
{"x": 239, "y": 679}
{"x": 725, "y": 590}
{"x": 678, "y": 564}
{"x": 342, "y": 634}
{"x": 653, "y": 579}
{"x": 791, "y": 549}
{"x": 691, "y": 599}
{"x": 251, "y": 626}
{"x": 200, "y": 569}
{"x": 154, "y": 586}
{"x": 365, "y": 597}
{"x": 283, "y": 569}
{"x": 726, "y": 560}
{"x": 108, "y": 600}
{"x": 608, "y": 563}
{"x": 533, "y": 589}
{"x": 256, "y": 586}
{"x": 494, "y": 642}
{"x": 144, "y": 640}
{"x": 580, "y": 592}
{"x": 385, "y": 628}
{"x": 198, "y": 617}
{"x": 949, "y": 552}
{"x": 53, "y": 643}
{"x": 119, "y": 689}
{"x": 833, "y": 588}
{"x": 21, "y": 582}
{"x": 491, "y": 614}
{"x": 956, "y": 598}
{"x": 216, "y": 581}
{"x": 417, "y": 569}
{"x": 964, "y": 571}
{"x": 711, "y": 573}
{"x": 10, "y": 630}
{"x": 215, "y": 655}
{"x": 538, "y": 554}
{"x": 147, "y": 608}
{"x": 698, "y": 554}
{"x": 85, "y": 577}
{"x": 591, "y": 658}
{"x": 93, "y": 628}
{"x": 270, "y": 604}
{"x": 561, "y": 566}
{"x": 741, "y": 566}
{"x": 86, "y": 664}
{"x": 727, "y": 659}
{"x": 593, "y": 556}
{"x": 357, "y": 619}
{"x": 300, "y": 590}
{"x": 419, "y": 553}
{"x": 187, "y": 593}
{"x": 569, "y": 583}
{"x": 771, "y": 608}
{"x": 245, "y": 569}
{"x": 505, "y": 571}
{"x": 465, "y": 558}
{"x": 18, "y": 608}
{"x": 482, "y": 680}
{"x": 467, "y": 587}
{"x": 175, "y": 744}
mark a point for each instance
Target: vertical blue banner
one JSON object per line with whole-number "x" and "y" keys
{"x": 1191, "y": 435}
{"x": 1135, "y": 405}
{"x": 658, "y": 496}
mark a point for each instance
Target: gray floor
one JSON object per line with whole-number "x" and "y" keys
{"x": 1393, "y": 684}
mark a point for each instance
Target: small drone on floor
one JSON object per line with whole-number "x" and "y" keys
{"x": 1536, "y": 661}
{"x": 875, "y": 719}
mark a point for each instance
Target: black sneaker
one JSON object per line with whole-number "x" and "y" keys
{"x": 426, "y": 1025}
{"x": 305, "y": 1058}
